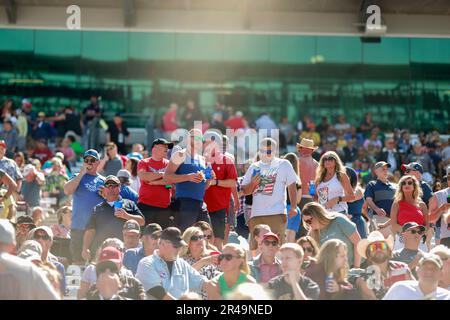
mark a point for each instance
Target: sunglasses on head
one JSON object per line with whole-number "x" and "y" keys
{"x": 378, "y": 246}
{"x": 414, "y": 231}
{"x": 227, "y": 257}
{"x": 409, "y": 183}
{"x": 274, "y": 243}
{"x": 45, "y": 237}
{"x": 197, "y": 238}
{"x": 308, "y": 249}
{"x": 91, "y": 160}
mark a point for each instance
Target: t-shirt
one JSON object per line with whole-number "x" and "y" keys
{"x": 112, "y": 166}
{"x": 441, "y": 200}
{"x": 410, "y": 290}
{"x": 85, "y": 198}
{"x": 281, "y": 290}
{"x": 340, "y": 228}
{"x": 118, "y": 135}
{"x": 405, "y": 255}
{"x": 156, "y": 196}
{"x": 42, "y": 155}
{"x": 270, "y": 197}
{"x": 329, "y": 190}
{"x": 127, "y": 193}
{"x": 106, "y": 224}
{"x": 188, "y": 189}
{"x": 216, "y": 197}
{"x": 11, "y": 168}
{"x": 90, "y": 112}
{"x": 382, "y": 194}
{"x": 427, "y": 192}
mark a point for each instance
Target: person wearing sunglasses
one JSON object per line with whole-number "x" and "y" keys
{"x": 382, "y": 272}
{"x": 333, "y": 185}
{"x": 440, "y": 212}
{"x": 44, "y": 235}
{"x": 407, "y": 207}
{"x": 150, "y": 242}
{"x": 111, "y": 162}
{"x": 233, "y": 263}
{"x": 109, "y": 217}
{"x": 24, "y": 224}
{"x": 412, "y": 235}
{"x": 218, "y": 192}
{"x": 291, "y": 284}
{"x": 208, "y": 232}
{"x": 166, "y": 276}
{"x": 186, "y": 170}
{"x": 84, "y": 189}
{"x": 310, "y": 250}
{"x": 266, "y": 266}
{"x": 196, "y": 253}
{"x": 268, "y": 180}
{"x": 331, "y": 262}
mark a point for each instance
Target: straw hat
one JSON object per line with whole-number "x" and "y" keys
{"x": 306, "y": 143}
{"x": 374, "y": 236}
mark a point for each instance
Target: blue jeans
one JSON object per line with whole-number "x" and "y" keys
{"x": 191, "y": 211}
{"x": 360, "y": 226}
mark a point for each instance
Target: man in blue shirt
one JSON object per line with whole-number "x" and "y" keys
{"x": 150, "y": 241}
{"x": 85, "y": 189}
{"x": 379, "y": 196}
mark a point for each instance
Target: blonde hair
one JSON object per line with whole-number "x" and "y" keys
{"x": 318, "y": 212}
{"x": 322, "y": 171}
{"x": 241, "y": 253}
{"x": 311, "y": 241}
{"x": 442, "y": 251}
{"x": 188, "y": 233}
{"x": 294, "y": 247}
{"x": 417, "y": 193}
{"x": 327, "y": 258}
{"x": 62, "y": 211}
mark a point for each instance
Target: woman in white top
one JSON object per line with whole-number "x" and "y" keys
{"x": 333, "y": 189}
{"x": 132, "y": 166}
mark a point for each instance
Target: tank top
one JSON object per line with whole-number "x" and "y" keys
{"x": 224, "y": 289}
{"x": 189, "y": 189}
{"x": 409, "y": 213}
{"x": 330, "y": 190}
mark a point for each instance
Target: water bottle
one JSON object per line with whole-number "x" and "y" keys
{"x": 208, "y": 172}
{"x": 312, "y": 188}
{"x": 256, "y": 171}
{"x": 118, "y": 205}
{"x": 328, "y": 281}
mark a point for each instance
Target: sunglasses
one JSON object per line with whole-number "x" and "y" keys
{"x": 209, "y": 236}
{"x": 227, "y": 257}
{"x": 413, "y": 231}
{"x": 308, "y": 249}
{"x": 378, "y": 246}
{"x": 409, "y": 183}
{"x": 45, "y": 237}
{"x": 111, "y": 185}
{"x": 274, "y": 243}
{"x": 197, "y": 238}
{"x": 328, "y": 159}
{"x": 90, "y": 160}
{"x": 308, "y": 221}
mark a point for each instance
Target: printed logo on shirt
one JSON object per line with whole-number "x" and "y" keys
{"x": 268, "y": 178}
{"x": 93, "y": 185}
{"x": 323, "y": 195}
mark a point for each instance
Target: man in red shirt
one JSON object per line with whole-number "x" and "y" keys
{"x": 170, "y": 119}
{"x": 155, "y": 193}
{"x": 236, "y": 122}
{"x": 218, "y": 192}
{"x": 42, "y": 152}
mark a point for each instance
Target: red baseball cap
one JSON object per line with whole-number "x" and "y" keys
{"x": 271, "y": 234}
{"x": 110, "y": 254}
{"x": 3, "y": 144}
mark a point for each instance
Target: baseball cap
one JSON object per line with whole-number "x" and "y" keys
{"x": 91, "y": 153}
{"x": 173, "y": 235}
{"x": 431, "y": 257}
{"x": 136, "y": 155}
{"x": 108, "y": 259}
{"x": 271, "y": 235}
{"x": 41, "y": 114}
{"x": 112, "y": 178}
{"x": 381, "y": 164}
{"x": 151, "y": 229}
{"x": 3, "y": 144}
{"x": 7, "y": 233}
{"x": 60, "y": 155}
{"x": 46, "y": 229}
{"x": 25, "y": 220}
{"x": 162, "y": 141}
{"x": 412, "y": 166}
{"x": 123, "y": 173}
{"x": 26, "y": 102}
{"x": 132, "y": 226}
{"x": 411, "y": 225}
